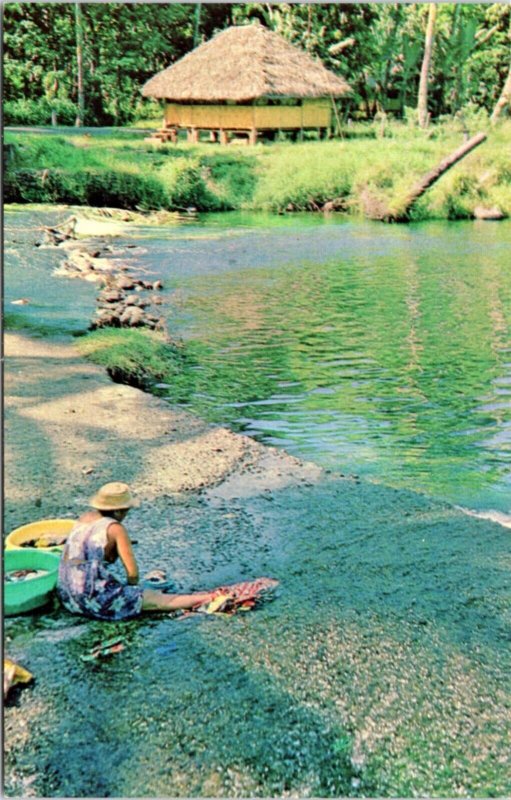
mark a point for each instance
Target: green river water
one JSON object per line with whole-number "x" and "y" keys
{"x": 380, "y": 351}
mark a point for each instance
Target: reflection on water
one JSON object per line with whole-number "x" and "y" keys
{"x": 391, "y": 358}
{"x": 379, "y": 350}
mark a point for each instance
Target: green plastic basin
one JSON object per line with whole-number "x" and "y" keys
{"x": 28, "y": 594}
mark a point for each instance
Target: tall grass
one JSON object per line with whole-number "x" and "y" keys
{"x": 303, "y": 176}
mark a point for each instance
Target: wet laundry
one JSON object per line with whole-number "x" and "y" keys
{"x": 238, "y": 597}
{"x": 48, "y": 540}
{"x": 17, "y": 575}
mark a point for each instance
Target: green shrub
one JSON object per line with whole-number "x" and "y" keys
{"x": 38, "y": 112}
{"x": 125, "y": 190}
{"x": 116, "y": 189}
{"x": 54, "y": 151}
{"x": 147, "y": 109}
{"x": 38, "y": 186}
{"x": 26, "y": 112}
{"x": 122, "y": 170}
{"x": 185, "y": 184}
{"x": 233, "y": 176}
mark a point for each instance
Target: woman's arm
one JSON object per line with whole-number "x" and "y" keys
{"x": 117, "y": 533}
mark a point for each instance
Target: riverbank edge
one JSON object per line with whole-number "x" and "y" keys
{"x": 370, "y": 178}
{"x": 56, "y": 366}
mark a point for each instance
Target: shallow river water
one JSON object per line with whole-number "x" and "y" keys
{"x": 370, "y": 349}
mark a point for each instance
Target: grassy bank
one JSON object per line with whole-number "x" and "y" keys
{"x": 124, "y": 171}
{"x": 138, "y": 358}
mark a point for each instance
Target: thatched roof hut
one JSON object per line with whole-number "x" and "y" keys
{"x": 241, "y": 64}
{"x": 246, "y": 65}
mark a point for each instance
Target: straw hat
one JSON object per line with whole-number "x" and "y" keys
{"x": 113, "y": 496}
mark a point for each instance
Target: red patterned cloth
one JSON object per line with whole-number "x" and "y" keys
{"x": 237, "y": 596}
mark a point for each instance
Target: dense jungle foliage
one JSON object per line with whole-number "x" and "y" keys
{"x": 64, "y": 61}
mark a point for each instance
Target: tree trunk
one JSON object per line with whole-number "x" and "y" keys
{"x": 433, "y": 175}
{"x": 309, "y": 28}
{"x": 391, "y": 46}
{"x": 79, "y": 64}
{"x": 456, "y": 40}
{"x": 422, "y": 102}
{"x": 405, "y": 77}
{"x": 504, "y": 99}
{"x": 196, "y": 25}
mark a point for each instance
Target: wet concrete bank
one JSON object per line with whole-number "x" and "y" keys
{"x": 382, "y": 668}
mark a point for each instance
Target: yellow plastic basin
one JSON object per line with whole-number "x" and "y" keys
{"x": 38, "y": 530}
{"x": 34, "y": 592}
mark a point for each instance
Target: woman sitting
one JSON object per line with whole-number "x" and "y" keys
{"x": 86, "y": 584}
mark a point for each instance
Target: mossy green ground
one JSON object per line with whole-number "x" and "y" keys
{"x": 123, "y": 170}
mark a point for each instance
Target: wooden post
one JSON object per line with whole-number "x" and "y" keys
{"x": 252, "y": 136}
{"x": 336, "y": 112}
{"x": 224, "y": 136}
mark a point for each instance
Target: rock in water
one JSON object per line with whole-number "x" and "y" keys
{"x": 111, "y": 296}
{"x": 493, "y": 213}
{"x": 132, "y": 317}
{"x": 135, "y": 300}
{"x": 123, "y": 282}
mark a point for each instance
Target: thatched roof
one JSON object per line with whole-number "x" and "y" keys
{"x": 244, "y": 63}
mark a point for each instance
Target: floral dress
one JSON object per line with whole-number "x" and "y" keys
{"x": 87, "y": 584}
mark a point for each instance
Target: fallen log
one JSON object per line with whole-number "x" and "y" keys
{"x": 430, "y": 178}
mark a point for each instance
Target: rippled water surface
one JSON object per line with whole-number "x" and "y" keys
{"x": 379, "y": 350}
